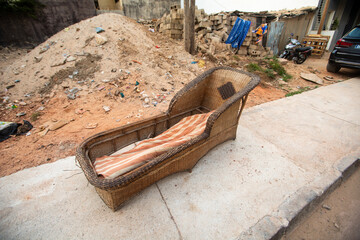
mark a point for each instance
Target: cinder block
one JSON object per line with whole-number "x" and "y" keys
{"x": 253, "y": 47}
{"x": 245, "y": 43}
{"x": 243, "y": 51}
{"x": 176, "y": 16}
{"x": 254, "y": 52}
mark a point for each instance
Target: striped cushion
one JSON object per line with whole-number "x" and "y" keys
{"x": 188, "y": 128}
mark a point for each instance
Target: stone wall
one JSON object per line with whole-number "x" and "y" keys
{"x": 21, "y": 30}
{"x": 212, "y": 30}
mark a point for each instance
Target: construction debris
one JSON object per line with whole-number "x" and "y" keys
{"x": 212, "y": 31}
{"x": 312, "y": 78}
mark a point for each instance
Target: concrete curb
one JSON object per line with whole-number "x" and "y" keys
{"x": 303, "y": 201}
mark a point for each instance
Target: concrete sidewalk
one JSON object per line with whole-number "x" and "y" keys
{"x": 287, "y": 153}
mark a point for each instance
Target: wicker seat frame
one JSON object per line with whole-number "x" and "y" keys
{"x": 222, "y": 89}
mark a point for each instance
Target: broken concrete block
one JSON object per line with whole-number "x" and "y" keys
{"x": 70, "y": 59}
{"x": 38, "y": 58}
{"x": 243, "y": 51}
{"x": 253, "y": 47}
{"x": 100, "y": 40}
{"x": 282, "y": 61}
{"x": 58, "y": 62}
{"x": 312, "y": 78}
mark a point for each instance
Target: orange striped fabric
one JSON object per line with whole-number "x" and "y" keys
{"x": 115, "y": 165}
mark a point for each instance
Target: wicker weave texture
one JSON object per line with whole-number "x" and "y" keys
{"x": 199, "y": 96}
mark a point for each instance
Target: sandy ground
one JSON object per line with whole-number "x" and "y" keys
{"x": 148, "y": 72}
{"x": 336, "y": 218}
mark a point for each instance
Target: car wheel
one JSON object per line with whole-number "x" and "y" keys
{"x": 332, "y": 67}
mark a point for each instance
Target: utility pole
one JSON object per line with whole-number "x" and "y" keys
{"x": 189, "y": 32}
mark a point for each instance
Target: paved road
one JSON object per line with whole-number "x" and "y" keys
{"x": 287, "y": 152}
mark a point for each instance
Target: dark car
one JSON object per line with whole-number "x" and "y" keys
{"x": 346, "y": 52}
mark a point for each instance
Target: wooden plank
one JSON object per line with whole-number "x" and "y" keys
{"x": 189, "y": 31}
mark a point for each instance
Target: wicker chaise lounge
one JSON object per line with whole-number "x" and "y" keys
{"x": 222, "y": 90}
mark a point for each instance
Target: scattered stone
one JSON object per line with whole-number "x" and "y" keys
{"x": 326, "y": 207}
{"x": 106, "y": 108}
{"x": 58, "y": 124}
{"x": 80, "y": 111}
{"x": 312, "y": 78}
{"x": 113, "y": 70}
{"x": 43, "y": 132}
{"x": 105, "y": 80}
{"x": 74, "y": 90}
{"x": 91, "y": 125}
{"x": 70, "y": 59}
{"x": 100, "y": 40}
{"x": 164, "y": 89}
{"x": 329, "y": 78}
{"x": 337, "y": 226}
{"x": 38, "y": 59}
{"x": 283, "y": 61}
{"x": 22, "y": 103}
{"x": 58, "y": 62}
{"x": 44, "y": 49}
{"x": 71, "y": 96}
{"x": 41, "y": 108}
{"x": 20, "y": 114}
{"x": 82, "y": 54}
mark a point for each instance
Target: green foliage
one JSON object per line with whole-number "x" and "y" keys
{"x": 236, "y": 58}
{"x": 301, "y": 90}
{"x": 335, "y": 24}
{"x": 276, "y": 66}
{"x": 24, "y": 7}
{"x": 273, "y": 67}
{"x": 286, "y": 77}
{"x": 252, "y": 67}
{"x": 35, "y": 116}
{"x": 270, "y": 73}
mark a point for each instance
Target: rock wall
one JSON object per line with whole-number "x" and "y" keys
{"x": 21, "y": 30}
{"x": 147, "y": 9}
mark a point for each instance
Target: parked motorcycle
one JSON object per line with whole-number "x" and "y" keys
{"x": 295, "y": 51}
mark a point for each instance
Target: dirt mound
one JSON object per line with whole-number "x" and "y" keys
{"x": 122, "y": 46}
{"x": 85, "y": 82}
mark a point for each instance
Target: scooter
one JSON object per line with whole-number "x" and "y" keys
{"x": 294, "y": 51}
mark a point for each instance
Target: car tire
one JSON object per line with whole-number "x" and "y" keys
{"x": 332, "y": 67}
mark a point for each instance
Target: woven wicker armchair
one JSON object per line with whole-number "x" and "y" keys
{"x": 221, "y": 89}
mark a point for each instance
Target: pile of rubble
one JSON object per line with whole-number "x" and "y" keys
{"x": 100, "y": 54}
{"x": 212, "y": 31}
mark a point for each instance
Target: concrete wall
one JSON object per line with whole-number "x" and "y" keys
{"x": 147, "y": 9}
{"x": 57, "y": 14}
{"x": 107, "y": 4}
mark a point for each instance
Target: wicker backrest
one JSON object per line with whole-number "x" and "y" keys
{"x": 222, "y": 84}
{"x": 211, "y": 89}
